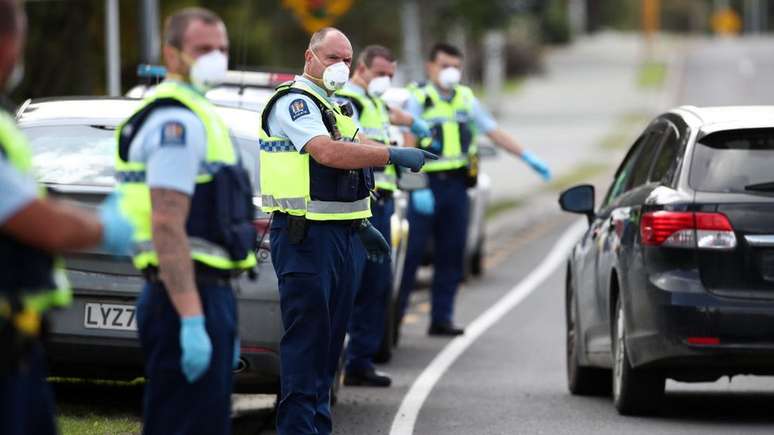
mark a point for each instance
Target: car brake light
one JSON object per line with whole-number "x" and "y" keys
{"x": 703, "y": 341}
{"x": 687, "y": 230}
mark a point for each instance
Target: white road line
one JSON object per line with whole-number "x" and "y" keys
{"x": 406, "y": 418}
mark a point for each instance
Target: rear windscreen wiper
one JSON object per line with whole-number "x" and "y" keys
{"x": 761, "y": 187}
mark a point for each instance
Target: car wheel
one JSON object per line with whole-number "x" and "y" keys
{"x": 581, "y": 381}
{"x": 635, "y": 391}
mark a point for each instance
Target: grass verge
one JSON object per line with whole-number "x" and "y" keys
{"x": 497, "y": 207}
{"x": 652, "y": 75}
{"x": 98, "y": 407}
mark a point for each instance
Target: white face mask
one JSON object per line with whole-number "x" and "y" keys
{"x": 379, "y": 85}
{"x": 209, "y": 70}
{"x": 449, "y": 77}
{"x": 335, "y": 76}
{"x": 16, "y": 77}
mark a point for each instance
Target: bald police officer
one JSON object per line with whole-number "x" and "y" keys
{"x": 191, "y": 201}
{"x": 33, "y": 230}
{"x": 314, "y": 182}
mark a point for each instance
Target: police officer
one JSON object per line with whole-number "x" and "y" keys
{"x": 32, "y": 230}
{"x": 313, "y": 182}
{"x": 441, "y": 212}
{"x": 372, "y": 77}
{"x": 190, "y": 200}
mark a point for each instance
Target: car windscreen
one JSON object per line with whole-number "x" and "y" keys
{"x": 733, "y": 161}
{"x": 85, "y": 154}
{"x": 73, "y": 154}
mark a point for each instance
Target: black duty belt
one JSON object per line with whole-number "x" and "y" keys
{"x": 461, "y": 174}
{"x": 205, "y": 276}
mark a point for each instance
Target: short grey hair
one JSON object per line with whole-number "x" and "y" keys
{"x": 318, "y": 36}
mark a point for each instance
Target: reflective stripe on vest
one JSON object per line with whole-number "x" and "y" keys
{"x": 135, "y": 199}
{"x": 15, "y": 148}
{"x": 446, "y": 118}
{"x": 285, "y": 172}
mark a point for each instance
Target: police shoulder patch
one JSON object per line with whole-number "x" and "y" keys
{"x": 173, "y": 133}
{"x": 298, "y": 108}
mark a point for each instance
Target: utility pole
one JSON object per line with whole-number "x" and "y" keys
{"x": 578, "y": 15}
{"x": 150, "y": 42}
{"x": 113, "y": 45}
{"x": 494, "y": 66}
{"x": 412, "y": 40}
{"x": 752, "y": 16}
{"x": 651, "y": 23}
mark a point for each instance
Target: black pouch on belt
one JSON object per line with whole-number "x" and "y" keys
{"x": 296, "y": 229}
{"x": 235, "y": 211}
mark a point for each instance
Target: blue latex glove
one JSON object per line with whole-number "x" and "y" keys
{"x": 536, "y": 164}
{"x": 196, "y": 348}
{"x": 377, "y": 249}
{"x": 423, "y": 201}
{"x": 117, "y": 231}
{"x": 237, "y": 352}
{"x": 412, "y": 158}
{"x": 420, "y": 129}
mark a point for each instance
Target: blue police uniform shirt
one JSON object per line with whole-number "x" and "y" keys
{"x": 17, "y": 190}
{"x": 172, "y": 143}
{"x": 483, "y": 120}
{"x": 297, "y": 118}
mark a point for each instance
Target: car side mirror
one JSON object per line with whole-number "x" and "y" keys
{"x": 409, "y": 181}
{"x": 578, "y": 199}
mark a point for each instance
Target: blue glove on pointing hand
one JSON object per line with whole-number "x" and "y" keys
{"x": 196, "y": 348}
{"x": 536, "y": 164}
{"x": 423, "y": 201}
{"x": 117, "y": 231}
{"x": 377, "y": 249}
{"x": 420, "y": 129}
{"x": 411, "y": 158}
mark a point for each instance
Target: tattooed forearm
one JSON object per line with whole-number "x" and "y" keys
{"x": 170, "y": 211}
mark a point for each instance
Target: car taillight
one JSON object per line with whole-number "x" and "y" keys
{"x": 687, "y": 230}
{"x": 262, "y": 230}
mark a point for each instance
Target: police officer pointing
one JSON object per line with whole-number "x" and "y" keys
{"x": 456, "y": 117}
{"x": 32, "y": 230}
{"x": 190, "y": 200}
{"x": 312, "y": 179}
{"x": 372, "y": 77}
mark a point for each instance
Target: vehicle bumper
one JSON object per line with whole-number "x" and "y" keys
{"x": 700, "y": 336}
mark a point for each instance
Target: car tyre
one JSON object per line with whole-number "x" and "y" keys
{"x": 581, "y": 380}
{"x": 635, "y": 391}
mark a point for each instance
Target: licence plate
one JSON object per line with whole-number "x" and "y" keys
{"x": 110, "y": 316}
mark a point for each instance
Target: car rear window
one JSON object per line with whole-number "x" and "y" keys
{"x": 85, "y": 154}
{"x": 729, "y": 161}
{"x": 73, "y": 154}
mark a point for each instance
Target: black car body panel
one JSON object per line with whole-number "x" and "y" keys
{"x": 695, "y": 313}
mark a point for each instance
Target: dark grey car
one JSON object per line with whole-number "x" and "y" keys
{"x": 73, "y": 142}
